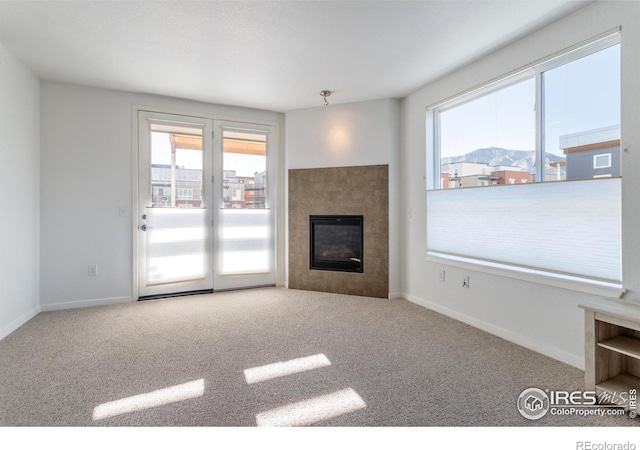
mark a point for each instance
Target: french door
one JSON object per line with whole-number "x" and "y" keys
{"x": 205, "y": 205}
{"x": 244, "y": 193}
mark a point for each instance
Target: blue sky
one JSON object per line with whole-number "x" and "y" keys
{"x": 578, "y": 96}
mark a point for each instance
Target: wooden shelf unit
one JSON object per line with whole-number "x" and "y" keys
{"x": 612, "y": 348}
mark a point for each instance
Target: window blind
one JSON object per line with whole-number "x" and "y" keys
{"x": 176, "y": 245}
{"x": 245, "y": 241}
{"x": 570, "y": 227}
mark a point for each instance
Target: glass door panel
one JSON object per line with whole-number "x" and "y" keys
{"x": 244, "y": 243}
{"x": 244, "y": 170}
{"x": 175, "y": 233}
{"x": 176, "y": 245}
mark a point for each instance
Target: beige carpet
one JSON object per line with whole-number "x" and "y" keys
{"x": 270, "y": 356}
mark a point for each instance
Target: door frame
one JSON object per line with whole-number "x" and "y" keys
{"x": 145, "y": 119}
{"x": 277, "y": 155}
{"x": 246, "y": 280}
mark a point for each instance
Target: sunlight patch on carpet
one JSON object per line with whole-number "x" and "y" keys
{"x": 284, "y": 368}
{"x": 312, "y": 410}
{"x": 173, "y": 394}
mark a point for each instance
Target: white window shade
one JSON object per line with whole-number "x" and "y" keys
{"x": 570, "y": 228}
{"x": 176, "y": 245}
{"x": 245, "y": 241}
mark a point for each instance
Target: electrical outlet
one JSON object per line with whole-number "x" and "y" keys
{"x": 93, "y": 270}
{"x": 465, "y": 282}
{"x": 441, "y": 276}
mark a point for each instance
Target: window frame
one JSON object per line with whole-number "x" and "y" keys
{"x": 606, "y": 166}
{"x": 185, "y": 193}
{"x": 535, "y": 71}
{"x": 433, "y": 166}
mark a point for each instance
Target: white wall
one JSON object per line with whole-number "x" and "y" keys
{"x": 538, "y": 316}
{"x": 20, "y": 187}
{"x": 86, "y": 178}
{"x": 352, "y": 134}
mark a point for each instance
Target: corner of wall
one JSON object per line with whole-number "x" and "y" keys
{"x": 20, "y": 227}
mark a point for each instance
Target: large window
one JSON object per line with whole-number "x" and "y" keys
{"x": 488, "y": 137}
{"x": 558, "y": 120}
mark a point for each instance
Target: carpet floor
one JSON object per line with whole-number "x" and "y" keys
{"x": 270, "y": 356}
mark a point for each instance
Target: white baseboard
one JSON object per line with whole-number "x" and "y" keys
{"x": 85, "y": 303}
{"x": 14, "y": 325}
{"x": 516, "y": 338}
{"x": 395, "y": 295}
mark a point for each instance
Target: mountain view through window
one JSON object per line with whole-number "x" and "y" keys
{"x": 491, "y": 139}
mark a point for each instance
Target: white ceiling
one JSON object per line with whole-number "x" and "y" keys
{"x": 275, "y": 55}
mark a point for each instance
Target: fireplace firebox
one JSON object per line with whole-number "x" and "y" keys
{"x": 336, "y": 243}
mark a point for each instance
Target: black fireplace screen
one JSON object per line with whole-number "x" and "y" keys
{"x": 336, "y": 243}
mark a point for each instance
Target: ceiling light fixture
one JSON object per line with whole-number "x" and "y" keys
{"x": 325, "y": 94}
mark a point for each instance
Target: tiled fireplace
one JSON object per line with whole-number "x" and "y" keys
{"x": 340, "y": 192}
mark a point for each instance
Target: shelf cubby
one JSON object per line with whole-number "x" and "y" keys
{"x": 612, "y": 349}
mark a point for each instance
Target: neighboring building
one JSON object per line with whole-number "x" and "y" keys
{"x": 233, "y": 190}
{"x": 511, "y": 176}
{"x": 244, "y": 192}
{"x": 464, "y": 174}
{"x": 593, "y": 153}
{"x": 188, "y": 186}
{"x": 255, "y": 194}
{"x": 557, "y": 171}
{"x": 445, "y": 180}
{"x": 238, "y": 192}
{"x": 457, "y": 175}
